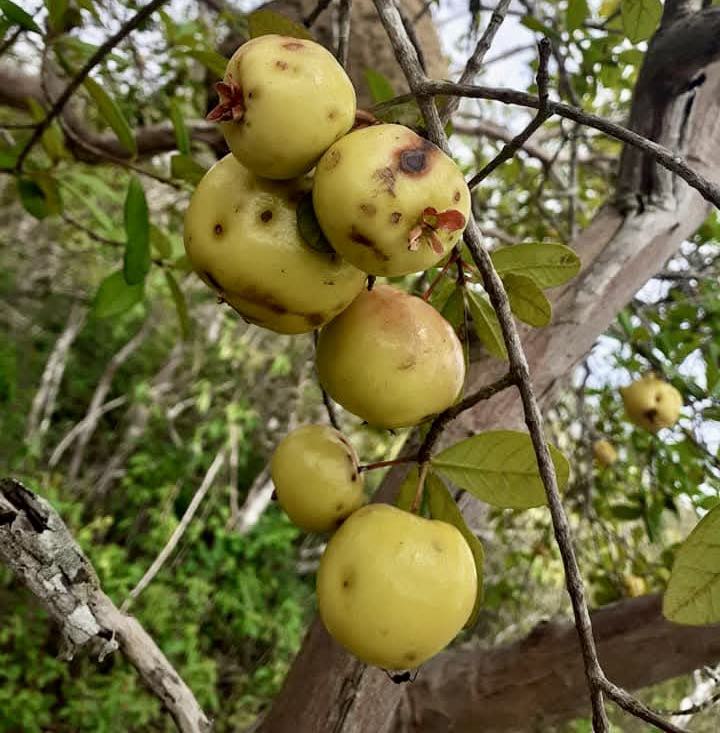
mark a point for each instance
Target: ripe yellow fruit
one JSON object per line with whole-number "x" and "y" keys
{"x": 651, "y": 403}
{"x": 394, "y": 588}
{"x": 635, "y": 586}
{"x": 241, "y": 238}
{"x": 605, "y": 453}
{"x": 283, "y": 102}
{"x": 390, "y": 201}
{"x": 391, "y": 359}
{"x": 315, "y": 472}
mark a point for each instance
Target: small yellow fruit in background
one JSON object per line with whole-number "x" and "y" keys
{"x": 635, "y": 586}
{"x": 283, "y": 102}
{"x": 242, "y": 239}
{"x": 315, "y": 472}
{"x": 391, "y": 359}
{"x": 390, "y": 201}
{"x": 652, "y": 403}
{"x": 394, "y": 588}
{"x": 605, "y": 453}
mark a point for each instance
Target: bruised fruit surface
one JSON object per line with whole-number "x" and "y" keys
{"x": 315, "y": 472}
{"x": 241, "y": 238}
{"x": 394, "y": 588}
{"x": 604, "y": 452}
{"x": 391, "y": 359}
{"x": 390, "y": 201}
{"x": 651, "y": 403}
{"x": 283, "y": 102}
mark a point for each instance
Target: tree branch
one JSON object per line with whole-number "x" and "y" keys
{"x": 37, "y": 546}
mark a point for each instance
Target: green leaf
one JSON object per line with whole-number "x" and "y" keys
{"x": 379, "y": 86}
{"x": 211, "y": 60}
{"x": 186, "y": 169}
{"x": 178, "y": 122}
{"x": 499, "y": 467}
{"x": 693, "y": 592}
{"x": 266, "y": 22}
{"x": 51, "y": 139}
{"x": 136, "y": 264}
{"x": 454, "y": 309}
{"x": 402, "y": 113}
{"x": 711, "y": 413}
{"x": 534, "y": 24}
{"x": 112, "y": 114}
{"x": 487, "y": 326}
{"x": 160, "y": 242}
{"x": 626, "y": 511}
{"x": 32, "y": 198}
{"x": 577, "y": 11}
{"x": 527, "y": 301}
{"x": 546, "y": 263}
{"x": 17, "y": 16}
{"x": 408, "y": 489}
{"x": 180, "y": 303}
{"x": 115, "y": 296}
{"x": 640, "y": 18}
{"x": 309, "y": 227}
{"x": 443, "y": 507}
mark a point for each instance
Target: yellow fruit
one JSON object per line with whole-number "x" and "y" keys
{"x": 389, "y": 201}
{"x": 394, "y": 588}
{"x": 634, "y": 586}
{"x": 391, "y": 359}
{"x": 652, "y": 403}
{"x": 604, "y": 452}
{"x": 283, "y": 102}
{"x": 315, "y": 472}
{"x": 241, "y": 238}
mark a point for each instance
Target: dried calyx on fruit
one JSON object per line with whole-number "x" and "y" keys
{"x": 241, "y": 237}
{"x": 390, "y": 201}
{"x": 283, "y": 102}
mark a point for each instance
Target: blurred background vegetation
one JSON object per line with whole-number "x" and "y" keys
{"x": 115, "y": 409}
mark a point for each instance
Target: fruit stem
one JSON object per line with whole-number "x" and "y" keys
{"x": 415, "y": 506}
{"x": 426, "y": 295}
{"x": 383, "y": 464}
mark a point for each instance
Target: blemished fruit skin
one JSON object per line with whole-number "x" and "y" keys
{"x": 370, "y": 191}
{"x": 605, "y": 453}
{"x": 394, "y": 588}
{"x": 651, "y": 403}
{"x": 241, "y": 238}
{"x": 297, "y": 101}
{"x": 315, "y": 472}
{"x": 391, "y": 359}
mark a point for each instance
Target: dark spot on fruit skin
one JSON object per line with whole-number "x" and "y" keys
{"x": 416, "y": 160}
{"x": 348, "y": 579}
{"x": 411, "y": 656}
{"x": 456, "y": 196}
{"x": 437, "y": 547}
{"x": 218, "y": 229}
{"x": 395, "y": 217}
{"x": 360, "y": 238}
{"x": 408, "y": 364}
{"x": 281, "y": 64}
{"x": 332, "y": 159}
{"x": 332, "y": 114}
{"x": 354, "y": 477}
{"x": 328, "y": 282}
{"x": 368, "y": 209}
{"x": 339, "y": 507}
{"x": 266, "y": 215}
{"x": 650, "y": 414}
{"x": 386, "y": 177}
{"x": 293, "y": 45}
{"x": 315, "y": 319}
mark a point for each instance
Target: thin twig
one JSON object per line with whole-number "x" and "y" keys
{"x": 693, "y": 709}
{"x": 542, "y": 114}
{"x": 316, "y": 12}
{"x": 102, "y": 51}
{"x": 635, "y": 707}
{"x": 344, "y": 32}
{"x": 179, "y": 531}
{"x": 385, "y": 464}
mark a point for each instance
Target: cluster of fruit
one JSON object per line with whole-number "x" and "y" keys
{"x": 291, "y": 251}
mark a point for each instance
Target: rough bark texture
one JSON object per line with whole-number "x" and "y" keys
{"x": 532, "y": 683}
{"x": 37, "y": 546}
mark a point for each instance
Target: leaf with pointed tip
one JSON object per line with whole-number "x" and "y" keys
{"x": 211, "y": 60}
{"x": 487, "y": 326}
{"x": 115, "y": 296}
{"x": 577, "y": 11}
{"x": 182, "y": 137}
{"x": 379, "y": 86}
{"x": 180, "y": 304}
{"x": 527, "y": 301}
{"x": 309, "y": 227}
{"x": 499, "y": 467}
{"x": 443, "y": 507}
{"x": 640, "y": 18}
{"x": 408, "y": 489}
{"x": 693, "y": 593}
{"x": 136, "y": 263}
{"x": 17, "y": 16}
{"x": 186, "y": 168}
{"x": 268, "y": 22}
{"x": 549, "y": 264}
{"x": 112, "y": 114}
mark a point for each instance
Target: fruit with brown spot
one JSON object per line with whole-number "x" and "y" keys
{"x": 241, "y": 237}
{"x": 390, "y": 201}
{"x": 651, "y": 403}
{"x": 391, "y": 359}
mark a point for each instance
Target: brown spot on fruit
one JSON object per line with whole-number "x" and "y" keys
{"x": 408, "y": 364}
{"x": 266, "y": 215}
{"x": 360, "y": 238}
{"x": 395, "y": 217}
{"x": 386, "y": 178}
{"x": 339, "y": 506}
{"x": 282, "y": 65}
{"x": 332, "y": 159}
{"x": 437, "y": 547}
{"x": 651, "y": 414}
{"x": 218, "y": 229}
{"x": 293, "y": 45}
{"x": 456, "y": 196}
{"x": 332, "y": 114}
{"x": 416, "y": 161}
{"x": 411, "y": 656}
{"x": 315, "y": 319}
{"x": 368, "y": 209}
{"x": 348, "y": 578}
{"x": 354, "y": 476}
